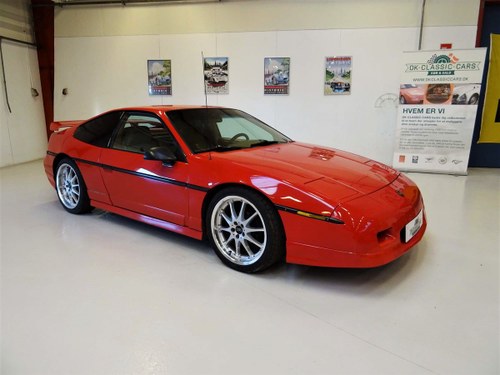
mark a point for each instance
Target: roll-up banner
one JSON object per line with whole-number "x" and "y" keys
{"x": 438, "y": 96}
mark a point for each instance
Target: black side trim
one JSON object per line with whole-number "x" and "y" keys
{"x": 89, "y": 162}
{"x": 144, "y": 175}
{"x": 309, "y": 215}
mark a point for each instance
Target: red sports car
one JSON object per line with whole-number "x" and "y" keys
{"x": 221, "y": 174}
{"x": 411, "y": 94}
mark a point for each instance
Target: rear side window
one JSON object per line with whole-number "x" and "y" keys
{"x": 98, "y": 131}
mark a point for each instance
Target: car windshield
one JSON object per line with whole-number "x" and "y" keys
{"x": 408, "y": 86}
{"x": 222, "y": 129}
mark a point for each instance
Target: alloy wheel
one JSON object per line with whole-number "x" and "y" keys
{"x": 238, "y": 230}
{"x": 68, "y": 186}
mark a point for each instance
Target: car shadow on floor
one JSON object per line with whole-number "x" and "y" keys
{"x": 150, "y": 230}
{"x": 355, "y": 280}
{"x": 360, "y": 280}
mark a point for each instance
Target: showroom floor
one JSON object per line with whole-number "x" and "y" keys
{"x": 101, "y": 294}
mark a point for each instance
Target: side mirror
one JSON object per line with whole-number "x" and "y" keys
{"x": 163, "y": 154}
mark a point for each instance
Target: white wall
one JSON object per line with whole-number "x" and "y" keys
{"x": 101, "y": 58}
{"x": 22, "y": 132}
{"x": 101, "y": 73}
{"x": 260, "y": 15}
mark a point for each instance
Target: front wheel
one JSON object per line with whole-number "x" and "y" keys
{"x": 71, "y": 189}
{"x": 245, "y": 230}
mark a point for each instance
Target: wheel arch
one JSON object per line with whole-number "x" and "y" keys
{"x": 82, "y": 203}
{"x": 212, "y": 192}
{"x": 57, "y": 159}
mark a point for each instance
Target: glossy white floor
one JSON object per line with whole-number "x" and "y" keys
{"x": 100, "y": 294}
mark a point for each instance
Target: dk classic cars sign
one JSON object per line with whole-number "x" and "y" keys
{"x": 439, "y": 92}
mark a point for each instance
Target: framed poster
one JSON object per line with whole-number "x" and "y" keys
{"x": 338, "y": 71}
{"x": 276, "y": 75}
{"x": 216, "y": 71}
{"x": 160, "y": 77}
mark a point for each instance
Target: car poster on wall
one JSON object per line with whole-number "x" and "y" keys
{"x": 276, "y": 75}
{"x": 216, "y": 71}
{"x": 338, "y": 71}
{"x": 160, "y": 77}
{"x": 438, "y": 95}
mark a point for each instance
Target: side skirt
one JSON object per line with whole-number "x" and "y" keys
{"x": 149, "y": 220}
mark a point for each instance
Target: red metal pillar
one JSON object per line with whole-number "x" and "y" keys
{"x": 43, "y": 21}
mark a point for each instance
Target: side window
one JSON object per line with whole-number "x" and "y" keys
{"x": 140, "y": 132}
{"x": 98, "y": 131}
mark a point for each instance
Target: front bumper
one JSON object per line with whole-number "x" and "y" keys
{"x": 373, "y": 233}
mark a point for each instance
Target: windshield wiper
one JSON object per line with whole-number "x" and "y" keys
{"x": 220, "y": 148}
{"x": 263, "y": 142}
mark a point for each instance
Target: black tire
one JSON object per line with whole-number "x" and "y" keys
{"x": 402, "y": 100}
{"x": 245, "y": 230}
{"x": 70, "y": 187}
{"x": 474, "y": 99}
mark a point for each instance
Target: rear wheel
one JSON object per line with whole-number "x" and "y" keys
{"x": 245, "y": 230}
{"x": 71, "y": 189}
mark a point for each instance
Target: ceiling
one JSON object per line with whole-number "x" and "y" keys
{"x": 124, "y": 2}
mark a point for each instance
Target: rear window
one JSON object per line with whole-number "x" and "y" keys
{"x": 98, "y": 131}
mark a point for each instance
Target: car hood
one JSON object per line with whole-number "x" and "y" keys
{"x": 414, "y": 91}
{"x": 326, "y": 172}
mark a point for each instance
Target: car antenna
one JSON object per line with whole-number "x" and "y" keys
{"x": 206, "y": 97}
{"x": 204, "y": 83}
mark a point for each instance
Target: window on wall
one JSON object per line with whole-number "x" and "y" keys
{"x": 16, "y": 22}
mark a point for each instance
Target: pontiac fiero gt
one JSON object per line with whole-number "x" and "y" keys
{"x": 221, "y": 174}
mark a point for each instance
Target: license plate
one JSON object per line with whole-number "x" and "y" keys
{"x": 414, "y": 226}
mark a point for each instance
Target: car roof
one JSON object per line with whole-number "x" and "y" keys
{"x": 163, "y": 108}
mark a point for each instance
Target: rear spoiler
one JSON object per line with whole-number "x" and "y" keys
{"x": 59, "y": 126}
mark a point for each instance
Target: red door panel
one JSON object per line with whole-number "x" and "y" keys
{"x": 146, "y": 186}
